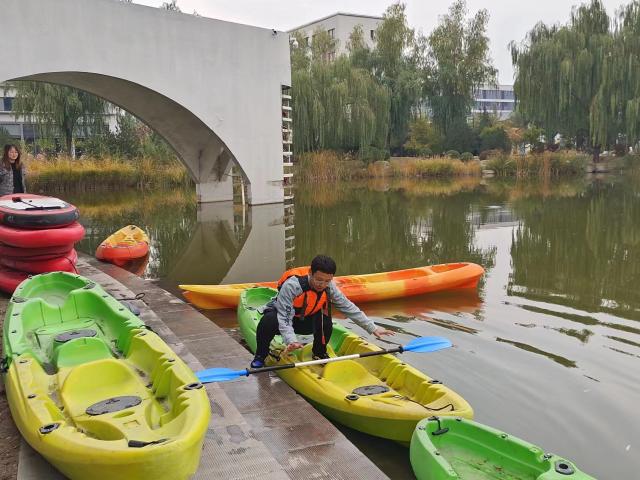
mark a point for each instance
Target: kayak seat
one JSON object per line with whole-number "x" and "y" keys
{"x": 349, "y": 375}
{"x": 81, "y": 350}
{"x": 93, "y": 382}
{"x": 166, "y": 375}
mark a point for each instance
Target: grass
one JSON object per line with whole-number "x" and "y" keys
{"x": 545, "y": 165}
{"x": 330, "y": 165}
{"x": 66, "y": 174}
{"x": 435, "y": 167}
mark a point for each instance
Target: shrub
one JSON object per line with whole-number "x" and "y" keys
{"x": 620, "y": 149}
{"x": 503, "y": 165}
{"x": 486, "y": 154}
{"x": 466, "y": 156}
{"x": 494, "y": 138}
{"x": 370, "y": 154}
{"x": 453, "y": 154}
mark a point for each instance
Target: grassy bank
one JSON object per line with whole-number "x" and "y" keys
{"x": 59, "y": 174}
{"x": 329, "y": 165}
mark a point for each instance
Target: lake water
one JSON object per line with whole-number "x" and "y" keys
{"x": 547, "y": 349}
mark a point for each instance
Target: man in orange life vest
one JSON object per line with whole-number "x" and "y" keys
{"x": 303, "y": 306}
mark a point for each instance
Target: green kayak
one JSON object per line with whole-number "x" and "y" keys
{"x": 93, "y": 390}
{"x": 446, "y": 448}
{"x": 379, "y": 395}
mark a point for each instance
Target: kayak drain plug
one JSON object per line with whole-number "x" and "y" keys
{"x": 563, "y": 468}
{"x": 48, "y": 428}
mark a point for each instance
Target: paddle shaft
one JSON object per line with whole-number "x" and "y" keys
{"x": 322, "y": 361}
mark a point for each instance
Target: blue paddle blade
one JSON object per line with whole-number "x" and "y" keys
{"x": 427, "y": 344}
{"x": 219, "y": 375}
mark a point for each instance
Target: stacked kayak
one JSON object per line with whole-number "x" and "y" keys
{"x": 94, "y": 391}
{"x": 446, "y": 448}
{"x": 128, "y": 243}
{"x": 37, "y": 235}
{"x": 379, "y": 395}
{"x": 357, "y": 288}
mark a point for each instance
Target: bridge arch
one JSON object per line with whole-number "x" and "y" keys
{"x": 212, "y": 89}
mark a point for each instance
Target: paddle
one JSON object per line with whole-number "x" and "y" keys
{"x": 419, "y": 345}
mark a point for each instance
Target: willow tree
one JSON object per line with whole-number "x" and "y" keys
{"x": 335, "y": 104}
{"x": 396, "y": 63}
{"x": 628, "y": 69}
{"x": 59, "y": 110}
{"x": 458, "y": 63}
{"x": 566, "y": 79}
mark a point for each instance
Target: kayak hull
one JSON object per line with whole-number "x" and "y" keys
{"x": 340, "y": 390}
{"x": 128, "y": 243}
{"x": 358, "y": 288}
{"x": 94, "y": 391}
{"x": 458, "y": 449}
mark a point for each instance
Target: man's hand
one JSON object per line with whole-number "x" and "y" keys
{"x": 293, "y": 346}
{"x": 380, "y": 332}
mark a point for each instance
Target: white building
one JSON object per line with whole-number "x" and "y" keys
{"x": 339, "y": 26}
{"x": 498, "y": 100}
{"x": 20, "y": 128}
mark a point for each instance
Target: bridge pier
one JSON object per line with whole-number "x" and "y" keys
{"x": 214, "y": 191}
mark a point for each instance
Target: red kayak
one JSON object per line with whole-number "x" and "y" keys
{"x": 25, "y": 210}
{"x": 58, "y": 264}
{"x": 35, "y": 253}
{"x": 49, "y": 237}
{"x": 10, "y": 279}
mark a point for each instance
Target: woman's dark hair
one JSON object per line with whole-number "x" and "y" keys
{"x": 323, "y": 264}
{"x": 5, "y": 157}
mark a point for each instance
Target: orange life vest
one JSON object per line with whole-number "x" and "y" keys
{"x": 309, "y": 301}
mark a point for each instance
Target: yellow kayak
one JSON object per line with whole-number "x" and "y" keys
{"x": 93, "y": 390}
{"x": 379, "y": 395}
{"x": 357, "y": 288}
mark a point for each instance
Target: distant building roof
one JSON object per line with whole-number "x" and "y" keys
{"x": 335, "y": 15}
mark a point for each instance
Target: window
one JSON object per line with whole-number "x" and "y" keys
{"x": 372, "y": 34}
{"x": 306, "y": 41}
{"x": 332, "y": 32}
{"x": 7, "y": 104}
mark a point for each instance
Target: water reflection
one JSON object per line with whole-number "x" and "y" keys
{"x": 580, "y": 251}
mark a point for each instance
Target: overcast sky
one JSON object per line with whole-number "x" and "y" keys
{"x": 509, "y": 19}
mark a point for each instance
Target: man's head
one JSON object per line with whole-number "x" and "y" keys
{"x": 323, "y": 269}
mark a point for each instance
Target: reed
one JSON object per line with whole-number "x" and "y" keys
{"x": 58, "y": 174}
{"x": 545, "y": 165}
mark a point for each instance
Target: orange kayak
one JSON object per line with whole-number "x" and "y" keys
{"x": 357, "y": 288}
{"x": 126, "y": 244}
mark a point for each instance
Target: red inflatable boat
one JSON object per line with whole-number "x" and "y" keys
{"x": 24, "y": 210}
{"x": 49, "y": 237}
{"x": 10, "y": 279}
{"x": 43, "y": 265}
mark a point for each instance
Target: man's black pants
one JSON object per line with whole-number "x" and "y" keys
{"x": 316, "y": 324}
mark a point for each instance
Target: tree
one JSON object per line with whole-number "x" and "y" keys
{"x": 494, "y": 138}
{"x": 457, "y": 64}
{"x": 396, "y": 64}
{"x": 59, "y": 110}
{"x": 5, "y": 137}
{"x": 337, "y": 106}
{"x": 172, "y": 6}
{"x": 566, "y": 79}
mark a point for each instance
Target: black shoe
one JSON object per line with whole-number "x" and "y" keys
{"x": 258, "y": 362}
{"x": 320, "y": 356}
